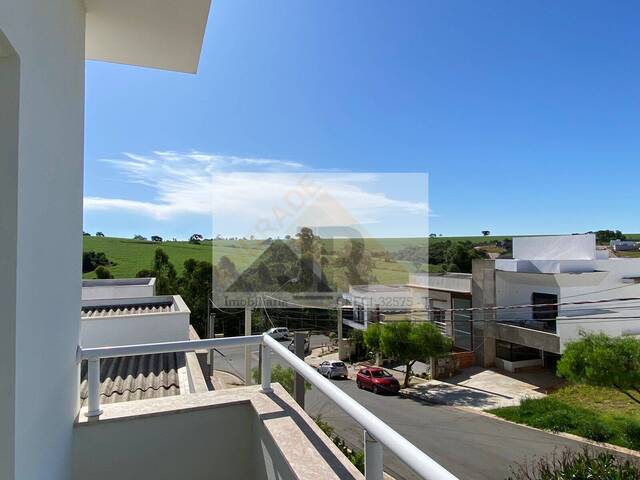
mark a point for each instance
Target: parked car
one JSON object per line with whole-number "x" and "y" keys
{"x": 333, "y": 369}
{"x": 378, "y": 380}
{"x": 279, "y": 333}
{"x": 307, "y": 346}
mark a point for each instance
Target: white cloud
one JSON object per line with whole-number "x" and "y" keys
{"x": 232, "y": 188}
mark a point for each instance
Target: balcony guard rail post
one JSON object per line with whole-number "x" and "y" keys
{"x": 266, "y": 369}
{"x": 93, "y": 386}
{"x": 373, "y": 458}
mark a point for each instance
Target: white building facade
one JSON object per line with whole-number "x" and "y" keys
{"x": 560, "y": 286}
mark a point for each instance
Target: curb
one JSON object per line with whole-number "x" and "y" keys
{"x": 569, "y": 436}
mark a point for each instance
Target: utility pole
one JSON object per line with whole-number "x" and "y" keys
{"x": 212, "y": 334}
{"x": 298, "y": 383}
{"x": 341, "y": 355}
{"x": 247, "y": 348}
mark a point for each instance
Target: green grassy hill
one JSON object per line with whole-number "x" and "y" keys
{"x": 131, "y": 256}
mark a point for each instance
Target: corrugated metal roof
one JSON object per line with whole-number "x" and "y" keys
{"x": 136, "y": 378}
{"x": 135, "y": 309}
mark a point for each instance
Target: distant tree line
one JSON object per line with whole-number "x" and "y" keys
{"x": 605, "y": 236}
{"x": 453, "y": 256}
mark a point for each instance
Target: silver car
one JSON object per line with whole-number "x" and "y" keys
{"x": 333, "y": 369}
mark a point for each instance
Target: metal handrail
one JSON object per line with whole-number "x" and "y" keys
{"x": 375, "y": 429}
{"x": 416, "y": 459}
{"x": 165, "y": 347}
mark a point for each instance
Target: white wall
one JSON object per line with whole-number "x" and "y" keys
{"x": 117, "y": 291}
{"x": 48, "y": 36}
{"x": 560, "y": 247}
{"x": 569, "y": 328}
{"x": 9, "y": 102}
{"x": 134, "y": 329}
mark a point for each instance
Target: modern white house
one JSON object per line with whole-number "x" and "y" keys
{"x": 552, "y": 289}
{"x": 445, "y": 296}
{"x": 118, "y": 288}
{"x": 46, "y": 432}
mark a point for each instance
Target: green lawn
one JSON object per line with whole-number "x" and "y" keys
{"x": 600, "y": 414}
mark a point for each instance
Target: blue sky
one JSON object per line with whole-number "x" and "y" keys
{"x": 524, "y": 115}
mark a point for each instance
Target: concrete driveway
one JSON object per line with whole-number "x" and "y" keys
{"x": 485, "y": 388}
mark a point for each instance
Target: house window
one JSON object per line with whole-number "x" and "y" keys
{"x": 545, "y": 314}
{"x": 462, "y": 326}
{"x": 438, "y": 315}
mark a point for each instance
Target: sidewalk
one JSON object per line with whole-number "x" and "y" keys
{"x": 480, "y": 389}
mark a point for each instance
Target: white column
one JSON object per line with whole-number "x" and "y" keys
{"x": 93, "y": 385}
{"x": 341, "y": 354}
{"x": 373, "y": 458}
{"x": 247, "y": 348}
{"x": 266, "y": 369}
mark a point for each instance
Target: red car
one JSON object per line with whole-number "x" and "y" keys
{"x": 378, "y": 380}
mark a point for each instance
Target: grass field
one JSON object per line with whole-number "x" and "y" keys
{"x": 600, "y": 414}
{"x": 131, "y": 256}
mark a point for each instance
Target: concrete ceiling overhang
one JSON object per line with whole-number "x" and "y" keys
{"x": 164, "y": 34}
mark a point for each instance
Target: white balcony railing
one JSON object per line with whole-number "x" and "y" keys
{"x": 376, "y": 432}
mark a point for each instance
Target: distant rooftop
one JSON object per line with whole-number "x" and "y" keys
{"x": 118, "y": 282}
{"x": 443, "y": 274}
{"x": 379, "y": 288}
{"x": 110, "y": 307}
{"x": 138, "y": 377}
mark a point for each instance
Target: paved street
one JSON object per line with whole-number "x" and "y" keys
{"x": 231, "y": 359}
{"x": 471, "y": 446}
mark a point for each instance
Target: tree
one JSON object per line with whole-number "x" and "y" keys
{"x": 195, "y": 288}
{"x": 356, "y": 263}
{"x": 605, "y": 236}
{"x": 196, "y": 239}
{"x": 409, "y": 342}
{"x": 86, "y": 234}
{"x": 140, "y": 237}
{"x": 164, "y": 272}
{"x": 102, "y": 272}
{"x": 597, "y": 359}
{"x": 99, "y": 234}
{"x": 156, "y": 238}
{"x": 372, "y": 337}
{"x": 91, "y": 260}
{"x": 485, "y": 233}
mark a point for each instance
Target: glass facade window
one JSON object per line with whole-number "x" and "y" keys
{"x": 462, "y": 325}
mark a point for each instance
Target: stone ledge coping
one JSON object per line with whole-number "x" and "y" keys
{"x": 308, "y": 451}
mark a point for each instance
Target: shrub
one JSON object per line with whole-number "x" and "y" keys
{"x": 632, "y": 433}
{"x": 596, "y": 430}
{"x": 577, "y": 465}
{"x": 355, "y": 456}
{"x": 102, "y": 272}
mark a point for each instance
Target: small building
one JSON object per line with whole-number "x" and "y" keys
{"x": 624, "y": 245}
